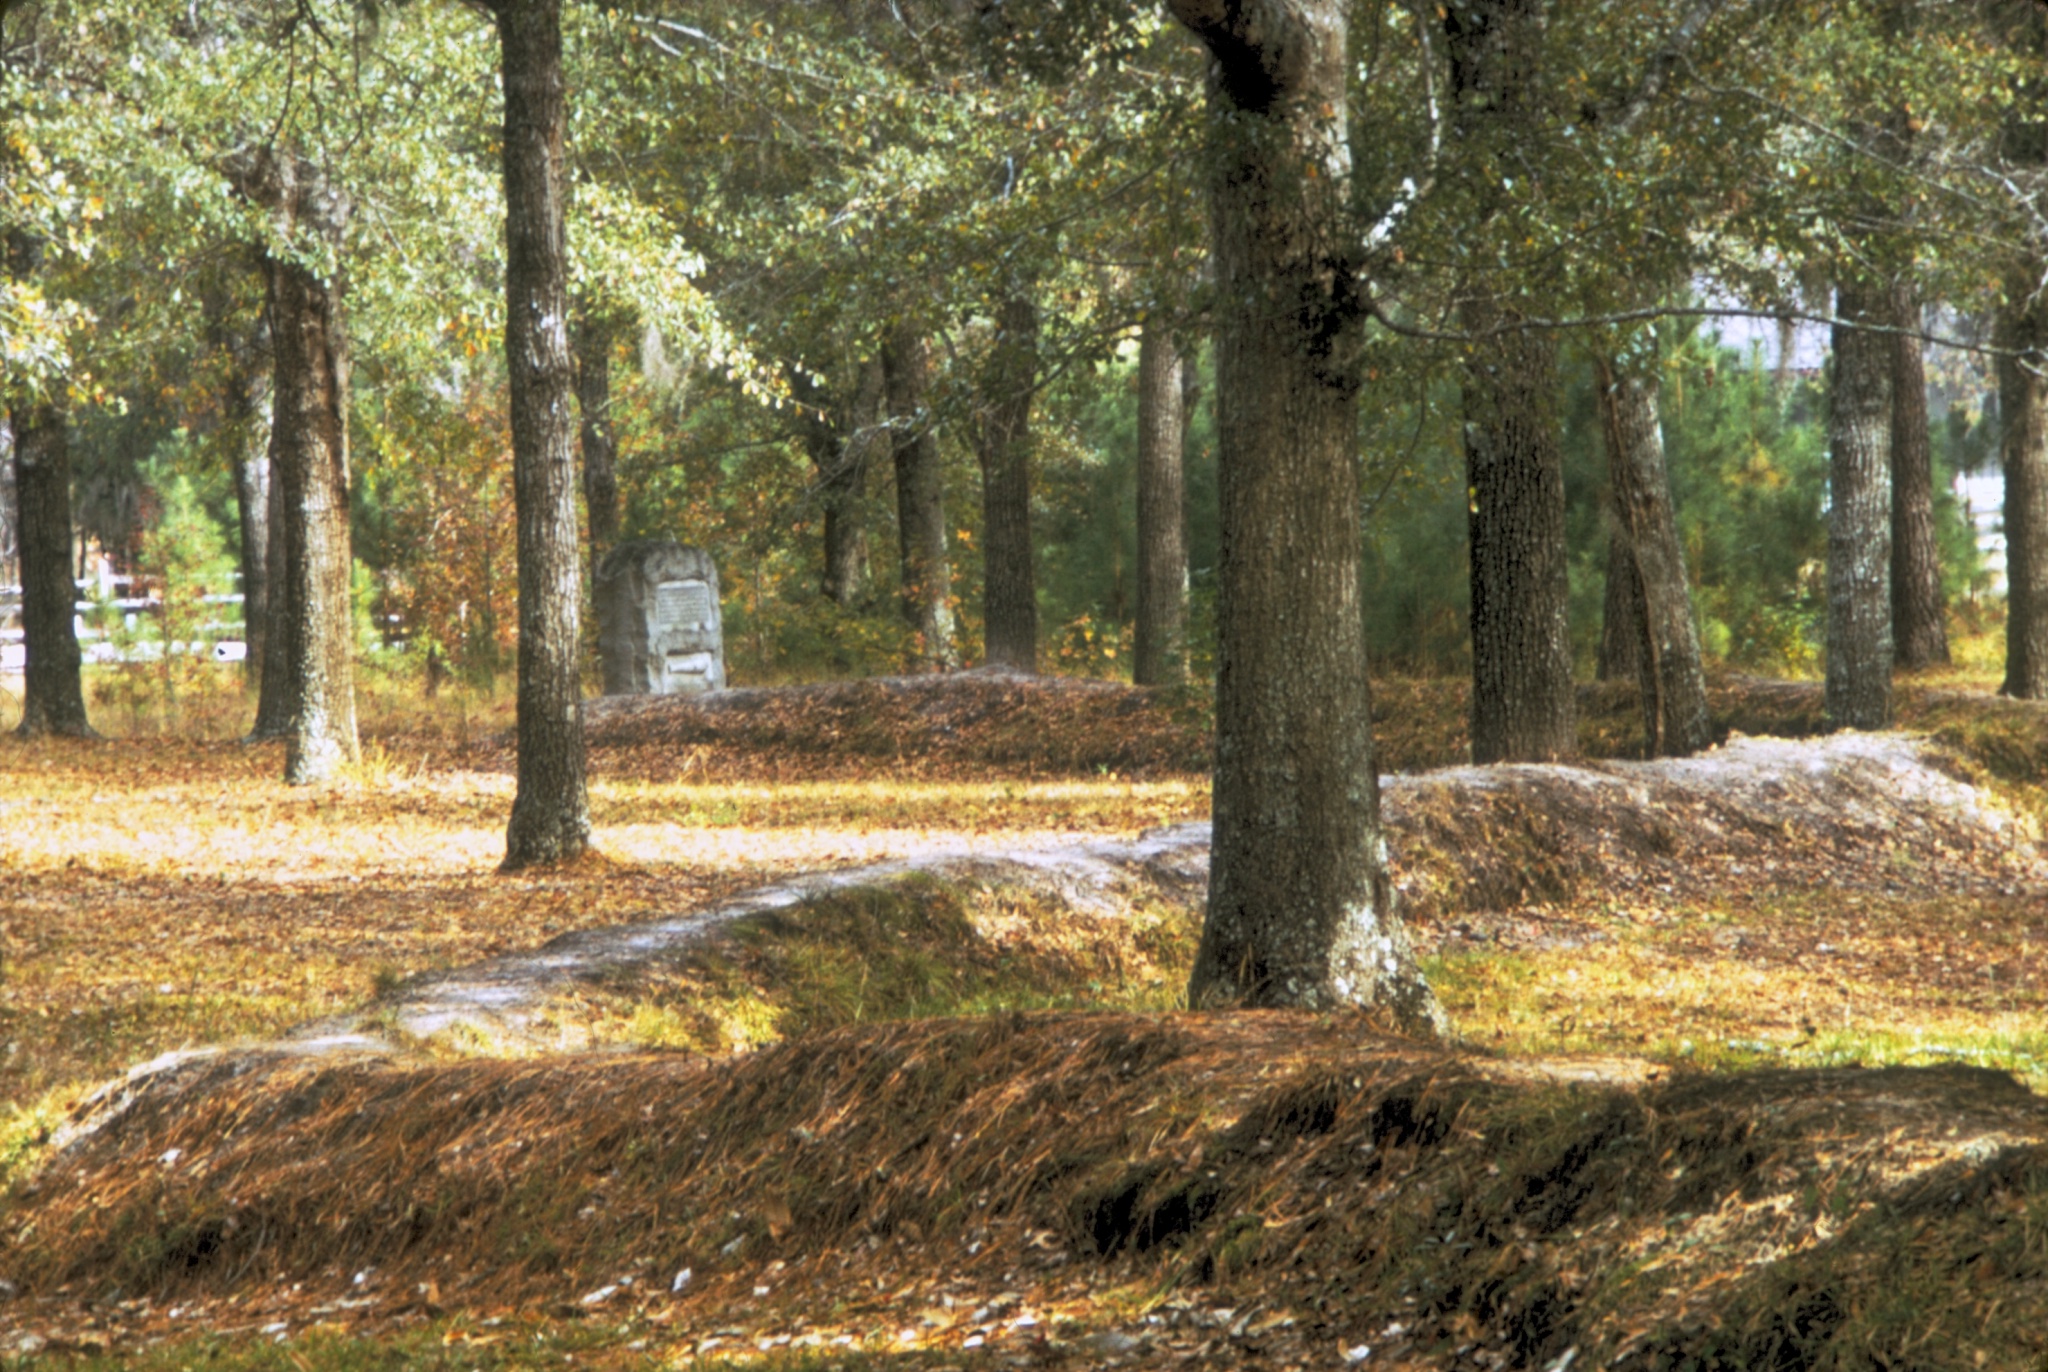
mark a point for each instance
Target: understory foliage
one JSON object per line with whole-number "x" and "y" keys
{"x": 433, "y": 518}
{"x": 764, "y": 191}
{"x": 704, "y": 463}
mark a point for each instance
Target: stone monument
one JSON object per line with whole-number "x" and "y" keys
{"x": 659, "y": 631}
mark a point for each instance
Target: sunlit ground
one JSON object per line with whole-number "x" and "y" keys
{"x": 159, "y": 892}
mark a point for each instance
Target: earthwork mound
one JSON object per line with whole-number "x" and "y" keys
{"x": 1301, "y": 1189}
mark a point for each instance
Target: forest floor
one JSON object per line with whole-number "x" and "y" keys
{"x": 865, "y": 1021}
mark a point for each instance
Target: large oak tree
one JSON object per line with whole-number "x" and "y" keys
{"x": 1300, "y": 907}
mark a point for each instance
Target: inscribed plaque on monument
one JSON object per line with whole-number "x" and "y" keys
{"x": 678, "y": 603}
{"x": 659, "y": 630}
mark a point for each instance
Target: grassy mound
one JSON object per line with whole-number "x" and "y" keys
{"x": 900, "y": 946}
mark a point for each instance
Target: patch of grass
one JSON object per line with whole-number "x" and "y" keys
{"x": 47, "y": 1049}
{"x": 443, "y": 1345}
{"x": 1787, "y": 979}
{"x": 915, "y": 948}
{"x": 25, "y": 1132}
{"x": 858, "y": 805}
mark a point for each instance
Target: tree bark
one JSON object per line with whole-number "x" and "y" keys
{"x": 845, "y": 581}
{"x": 1668, "y": 665}
{"x": 10, "y": 509}
{"x": 2022, "y": 328}
{"x": 1858, "y": 690}
{"x": 1009, "y": 584}
{"x": 249, "y": 421}
{"x": 1919, "y": 627}
{"x": 550, "y": 809}
{"x": 1524, "y": 708}
{"x": 53, "y": 700}
{"x": 53, "y": 697}
{"x": 1621, "y": 613}
{"x": 927, "y": 581}
{"x": 1160, "y": 656}
{"x": 309, "y": 424}
{"x": 2023, "y": 456}
{"x": 308, "y": 682}
{"x": 1300, "y": 910}
{"x": 839, "y": 437}
{"x": 1523, "y": 704}
{"x": 252, "y": 508}
{"x": 600, "y": 447}
{"x": 280, "y": 615}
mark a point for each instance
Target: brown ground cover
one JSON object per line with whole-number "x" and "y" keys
{"x": 160, "y": 895}
{"x": 1069, "y": 1191}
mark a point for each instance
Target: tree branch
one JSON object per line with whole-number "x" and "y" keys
{"x": 1262, "y": 48}
{"x": 1413, "y": 190}
{"x": 1665, "y": 61}
{"x": 1594, "y": 321}
{"x": 696, "y": 35}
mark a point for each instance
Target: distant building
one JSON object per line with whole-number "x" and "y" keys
{"x": 1982, "y": 496}
{"x": 1793, "y": 347}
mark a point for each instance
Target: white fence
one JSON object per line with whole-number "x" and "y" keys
{"x": 221, "y": 640}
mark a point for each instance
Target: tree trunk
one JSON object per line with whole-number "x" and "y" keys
{"x": 2023, "y": 456}
{"x": 308, "y": 682}
{"x": 249, "y": 421}
{"x": 551, "y": 808}
{"x": 252, "y": 507}
{"x": 1919, "y": 628}
{"x": 927, "y": 583}
{"x": 839, "y": 437}
{"x": 310, "y": 449}
{"x": 10, "y": 509}
{"x": 1668, "y": 667}
{"x": 1858, "y": 690}
{"x": 1161, "y": 651}
{"x": 1300, "y": 909}
{"x": 280, "y": 616}
{"x": 53, "y": 701}
{"x": 600, "y": 447}
{"x": 845, "y": 581}
{"x": 1621, "y": 608}
{"x": 1009, "y": 586}
{"x": 1523, "y": 704}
